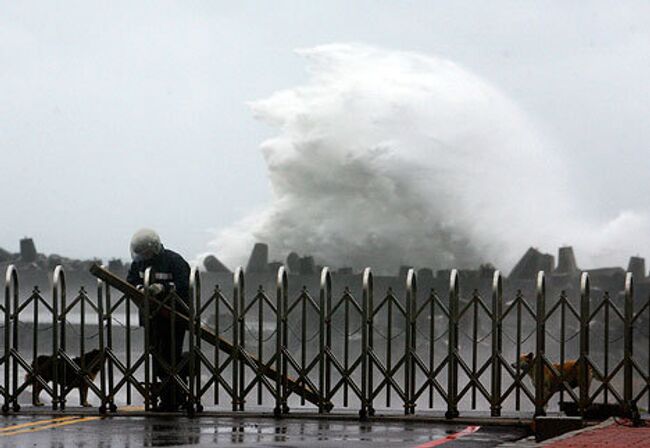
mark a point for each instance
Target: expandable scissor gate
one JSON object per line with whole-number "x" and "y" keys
{"x": 14, "y": 306}
{"x": 351, "y": 348}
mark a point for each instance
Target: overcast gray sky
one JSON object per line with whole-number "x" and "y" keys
{"x": 116, "y": 115}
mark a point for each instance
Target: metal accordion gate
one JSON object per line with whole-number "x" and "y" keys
{"x": 334, "y": 348}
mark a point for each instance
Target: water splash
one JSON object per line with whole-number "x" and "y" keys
{"x": 386, "y": 158}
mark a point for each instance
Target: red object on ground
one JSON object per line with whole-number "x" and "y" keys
{"x": 450, "y": 437}
{"x": 618, "y": 434}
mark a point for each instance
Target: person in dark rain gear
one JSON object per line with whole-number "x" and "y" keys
{"x": 170, "y": 271}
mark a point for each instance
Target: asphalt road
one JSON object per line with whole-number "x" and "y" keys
{"x": 154, "y": 431}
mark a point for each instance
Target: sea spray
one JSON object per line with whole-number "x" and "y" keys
{"x": 385, "y": 158}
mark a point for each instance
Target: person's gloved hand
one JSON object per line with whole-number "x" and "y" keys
{"x": 156, "y": 289}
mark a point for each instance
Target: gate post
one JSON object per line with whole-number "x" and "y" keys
{"x": 238, "y": 293}
{"x": 325, "y": 297}
{"x": 628, "y": 338}
{"x": 411, "y": 318}
{"x": 583, "y": 371}
{"x": 452, "y": 371}
{"x": 195, "y": 296}
{"x": 281, "y": 285}
{"x": 11, "y": 291}
{"x": 109, "y": 344}
{"x": 497, "y": 343}
{"x": 58, "y": 292}
{"x": 540, "y": 356}
{"x": 148, "y": 275}
{"x": 101, "y": 286}
{"x": 328, "y": 341}
{"x": 194, "y": 380}
{"x": 367, "y": 385}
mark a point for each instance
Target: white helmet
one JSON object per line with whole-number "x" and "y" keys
{"x": 145, "y": 245}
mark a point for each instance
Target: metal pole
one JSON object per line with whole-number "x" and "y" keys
{"x": 540, "y": 314}
{"x": 346, "y": 345}
{"x": 102, "y": 349}
{"x": 127, "y": 340}
{"x": 563, "y": 305}
{"x": 82, "y": 327}
{"x": 303, "y": 340}
{"x": 109, "y": 344}
{"x": 195, "y": 299}
{"x": 281, "y": 291}
{"x": 432, "y": 343}
{"x": 325, "y": 297}
{"x": 242, "y": 345}
{"x": 583, "y": 373}
{"x": 148, "y": 275}
{"x": 371, "y": 341}
{"x": 409, "y": 371}
{"x": 216, "y": 358}
{"x": 194, "y": 380}
{"x": 365, "y": 324}
{"x": 11, "y": 286}
{"x": 237, "y": 292}
{"x": 605, "y": 347}
{"x": 497, "y": 343}
{"x": 328, "y": 341}
{"x": 58, "y": 293}
{"x": 169, "y": 376}
{"x": 35, "y": 333}
{"x": 475, "y": 299}
{"x": 519, "y": 300}
{"x": 15, "y": 321}
{"x": 260, "y": 340}
{"x": 628, "y": 338}
{"x": 389, "y": 343}
{"x": 452, "y": 361}
{"x": 284, "y": 372}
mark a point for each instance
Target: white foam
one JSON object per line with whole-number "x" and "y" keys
{"x": 385, "y": 158}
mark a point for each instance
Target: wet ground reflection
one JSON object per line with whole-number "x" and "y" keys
{"x": 134, "y": 432}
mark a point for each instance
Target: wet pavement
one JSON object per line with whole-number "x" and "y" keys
{"x": 171, "y": 431}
